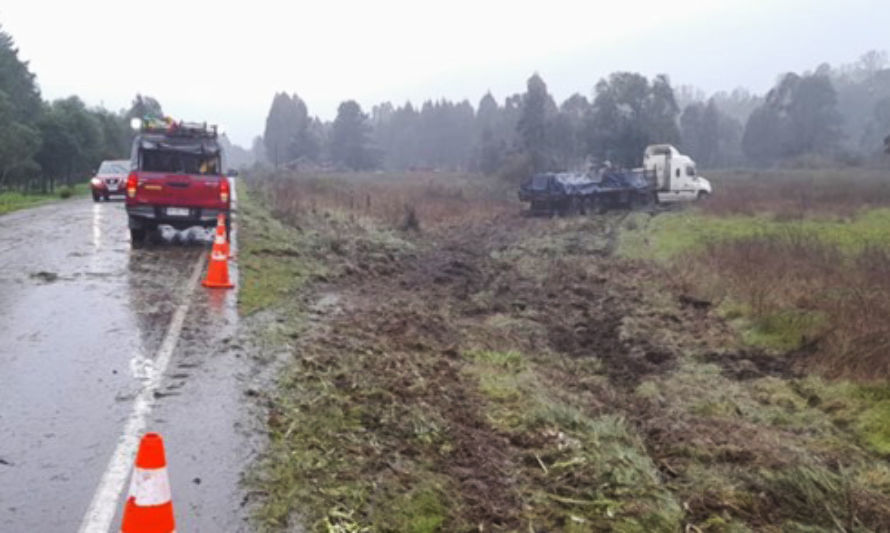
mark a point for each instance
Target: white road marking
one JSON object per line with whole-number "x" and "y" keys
{"x": 102, "y": 509}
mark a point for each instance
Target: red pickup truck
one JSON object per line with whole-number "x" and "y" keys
{"x": 177, "y": 180}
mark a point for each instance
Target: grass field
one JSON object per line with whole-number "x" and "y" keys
{"x": 456, "y": 365}
{"x": 14, "y": 200}
{"x": 809, "y": 275}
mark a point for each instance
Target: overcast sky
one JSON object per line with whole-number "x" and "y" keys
{"x": 208, "y": 61}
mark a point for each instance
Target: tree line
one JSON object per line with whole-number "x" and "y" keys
{"x": 840, "y": 114}
{"x": 63, "y": 141}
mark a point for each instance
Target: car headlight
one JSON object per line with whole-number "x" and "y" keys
{"x": 96, "y": 181}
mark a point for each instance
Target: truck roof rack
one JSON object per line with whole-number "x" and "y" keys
{"x": 171, "y": 128}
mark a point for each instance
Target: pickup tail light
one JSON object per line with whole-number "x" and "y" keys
{"x": 224, "y": 190}
{"x": 132, "y": 182}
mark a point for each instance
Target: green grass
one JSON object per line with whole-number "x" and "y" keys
{"x": 783, "y": 330}
{"x": 588, "y": 472}
{"x": 329, "y": 442}
{"x": 321, "y": 465}
{"x": 420, "y": 510}
{"x": 863, "y": 411}
{"x": 767, "y": 312}
{"x": 788, "y": 427}
{"x": 14, "y": 200}
{"x": 874, "y": 427}
{"x": 273, "y": 258}
{"x": 666, "y": 235}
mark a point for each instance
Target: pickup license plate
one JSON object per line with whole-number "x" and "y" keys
{"x": 112, "y": 186}
{"x": 177, "y": 211}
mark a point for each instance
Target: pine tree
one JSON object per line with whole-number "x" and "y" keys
{"x": 350, "y": 138}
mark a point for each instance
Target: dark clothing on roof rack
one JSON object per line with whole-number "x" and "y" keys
{"x": 188, "y": 145}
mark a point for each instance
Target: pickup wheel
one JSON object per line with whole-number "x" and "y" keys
{"x": 137, "y": 237}
{"x": 153, "y": 235}
{"x": 96, "y": 196}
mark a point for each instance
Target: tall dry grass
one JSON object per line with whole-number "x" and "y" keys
{"x": 415, "y": 201}
{"x": 793, "y": 194}
{"x": 794, "y": 283}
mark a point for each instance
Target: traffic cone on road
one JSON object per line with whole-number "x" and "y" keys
{"x": 149, "y": 507}
{"x": 219, "y": 241}
{"x": 218, "y": 271}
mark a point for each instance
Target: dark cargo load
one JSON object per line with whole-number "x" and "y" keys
{"x": 565, "y": 192}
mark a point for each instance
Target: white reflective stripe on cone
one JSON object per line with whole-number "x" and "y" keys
{"x": 150, "y": 486}
{"x": 219, "y": 239}
{"x": 217, "y": 256}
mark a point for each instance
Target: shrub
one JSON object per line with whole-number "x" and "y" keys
{"x": 411, "y": 222}
{"x": 516, "y": 168}
{"x": 800, "y": 290}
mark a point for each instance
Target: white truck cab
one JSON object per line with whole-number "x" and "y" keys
{"x": 676, "y": 178}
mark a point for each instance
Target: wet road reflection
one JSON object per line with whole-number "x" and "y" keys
{"x": 79, "y": 311}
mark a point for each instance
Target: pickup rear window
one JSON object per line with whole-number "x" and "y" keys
{"x": 178, "y": 162}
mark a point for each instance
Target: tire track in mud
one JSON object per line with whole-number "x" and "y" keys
{"x": 418, "y": 315}
{"x": 404, "y": 336}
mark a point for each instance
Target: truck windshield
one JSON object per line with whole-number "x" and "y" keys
{"x": 178, "y": 162}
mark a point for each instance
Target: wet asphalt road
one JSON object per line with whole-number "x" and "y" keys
{"x": 81, "y": 314}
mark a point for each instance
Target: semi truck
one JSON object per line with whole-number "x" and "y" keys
{"x": 666, "y": 176}
{"x": 675, "y": 176}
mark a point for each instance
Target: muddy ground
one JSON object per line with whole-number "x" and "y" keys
{"x": 502, "y": 372}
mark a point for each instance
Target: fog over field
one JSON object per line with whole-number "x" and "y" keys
{"x": 473, "y": 266}
{"x": 234, "y": 59}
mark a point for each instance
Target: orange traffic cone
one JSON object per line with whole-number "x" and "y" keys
{"x": 219, "y": 241}
{"x": 149, "y": 507}
{"x": 218, "y": 271}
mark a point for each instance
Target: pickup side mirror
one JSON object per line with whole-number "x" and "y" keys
{"x": 232, "y": 173}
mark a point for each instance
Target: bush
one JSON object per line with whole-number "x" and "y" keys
{"x": 800, "y": 290}
{"x": 66, "y": 192}
{"x": 516, "y": 168}
{"x": 411, "y": 222}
